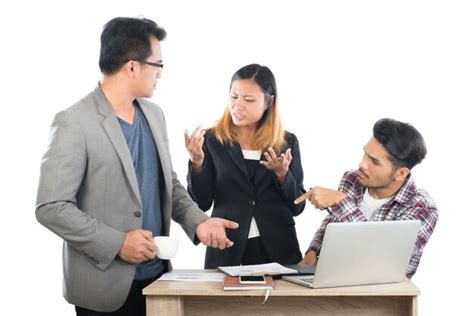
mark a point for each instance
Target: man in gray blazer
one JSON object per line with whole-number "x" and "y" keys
{"x": 107, "y": 186}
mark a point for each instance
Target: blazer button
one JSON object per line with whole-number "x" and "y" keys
{"x": 252, "y": 202}
{"x": 137, "y": 214}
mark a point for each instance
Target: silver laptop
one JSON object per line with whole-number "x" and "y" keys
{"x": 358, "y": 253}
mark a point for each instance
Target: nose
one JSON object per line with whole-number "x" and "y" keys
{"x": 238, "y": 104}
{"x": 363, "y": 163}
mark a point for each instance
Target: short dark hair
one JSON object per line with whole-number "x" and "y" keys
{"x": 402, "y": 141}
{"x": 125, "y": 39}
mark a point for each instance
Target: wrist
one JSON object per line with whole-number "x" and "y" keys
{"x": 341, "y": 196}
{"x": 281, "y": 176}
{"x": 197, "y": 167}
{"x": 311, "y": 252}
{"x": 196, "y": 159}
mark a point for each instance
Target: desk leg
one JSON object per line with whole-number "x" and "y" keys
{"x": 414, "y": 306}
{"x": 164, "y": 305}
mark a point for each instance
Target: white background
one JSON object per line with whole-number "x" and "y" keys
{"x": 339, "y": 65}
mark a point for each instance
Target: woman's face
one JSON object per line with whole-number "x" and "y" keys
{"x": 246, "y": 103}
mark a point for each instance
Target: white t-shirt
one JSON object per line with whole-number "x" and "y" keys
{"x": 370, "y": 205}
{"x": 252, "y": 155}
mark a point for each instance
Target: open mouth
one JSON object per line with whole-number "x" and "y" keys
{"x": 238, "y": 116}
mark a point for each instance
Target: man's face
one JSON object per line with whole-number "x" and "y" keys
{"x": 375, "y": 169}
{"x": 147, "y": 74}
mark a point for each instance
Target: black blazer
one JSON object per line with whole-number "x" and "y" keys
{"x": 224, "y": 181}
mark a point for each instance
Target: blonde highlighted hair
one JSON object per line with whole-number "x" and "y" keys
{"x": 270, "y": 132}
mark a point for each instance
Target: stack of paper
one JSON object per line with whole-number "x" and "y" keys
{"x": 257, "y": 269}
{"x": 192, "y": 275}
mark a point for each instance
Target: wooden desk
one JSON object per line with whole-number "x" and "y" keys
{"x": 208, "y": 298}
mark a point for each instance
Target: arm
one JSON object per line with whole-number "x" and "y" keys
{"x": 323, "y": 198}
{"x": 347, "y": 208}
{"x": 201, "y": 182}
{"x": 426, "y": 212}
{"x": 62, "y": 171}
{"x": 293, "y": 187}
{"x": 210, "y": 231}
{"x": 185, "y": 211}
{"x": 317, "y": 240}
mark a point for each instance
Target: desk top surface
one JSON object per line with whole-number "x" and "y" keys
{"x": 282, "y": 288}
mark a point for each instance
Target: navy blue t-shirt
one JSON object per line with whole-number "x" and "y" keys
{"x": 147, "y": 169}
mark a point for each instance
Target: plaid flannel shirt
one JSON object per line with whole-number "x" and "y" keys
{"x": 409, "y": 203}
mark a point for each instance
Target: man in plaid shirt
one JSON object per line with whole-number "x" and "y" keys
{"x": 381, "y": 190}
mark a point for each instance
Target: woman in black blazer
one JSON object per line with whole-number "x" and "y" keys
{"x": 250, "y": 169}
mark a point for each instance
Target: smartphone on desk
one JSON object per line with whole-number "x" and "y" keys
{"x": 252, "y": 279}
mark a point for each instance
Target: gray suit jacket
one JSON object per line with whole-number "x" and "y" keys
{"x": 88, "y": 195}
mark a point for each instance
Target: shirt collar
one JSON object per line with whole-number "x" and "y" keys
{"x": 406, "y": 192}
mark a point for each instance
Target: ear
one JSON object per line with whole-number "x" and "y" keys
{"x": 401, "y": 174}
{"x": 130, "y": 68}
{"x": 271, "y": 100}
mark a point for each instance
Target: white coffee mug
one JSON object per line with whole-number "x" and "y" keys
{"x": 167, "y": 246}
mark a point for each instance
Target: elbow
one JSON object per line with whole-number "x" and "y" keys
{"x": 41, "y": 214}
{"x": 204, "y": 202}
{"x": 298, "y": 209}
{"x": 47, "y": 213}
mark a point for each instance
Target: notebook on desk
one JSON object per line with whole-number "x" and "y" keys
{"x": 232, "y": 284}
{"x": 360, "y": 253}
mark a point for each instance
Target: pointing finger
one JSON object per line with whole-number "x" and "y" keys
{"x": 303, "y": 197}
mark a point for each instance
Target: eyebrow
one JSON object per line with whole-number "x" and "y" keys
{"x": 245, "y": 95}
{"x": 371, "y": 157}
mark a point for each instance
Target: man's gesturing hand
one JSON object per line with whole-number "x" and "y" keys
{"x": 322, "y": 198}
{"x": 211, "y": 232}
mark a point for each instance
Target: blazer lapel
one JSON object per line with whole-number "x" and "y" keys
{"x": 261, "y": 171}
{"x": 161, "y": 147}
{"x": 235, "y": 152}
{"x": 112, "y": 128}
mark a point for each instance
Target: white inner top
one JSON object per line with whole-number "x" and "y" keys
{"x": 370, "y": 205}
{"x": 252, "y": 155}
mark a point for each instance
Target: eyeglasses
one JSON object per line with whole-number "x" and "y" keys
{"x": 151, "y": 64}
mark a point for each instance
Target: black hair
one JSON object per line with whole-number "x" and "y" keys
{"x": 262, "y": 75}
{"x": 402, "y": 141}
{"x": 125, "y": 39}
